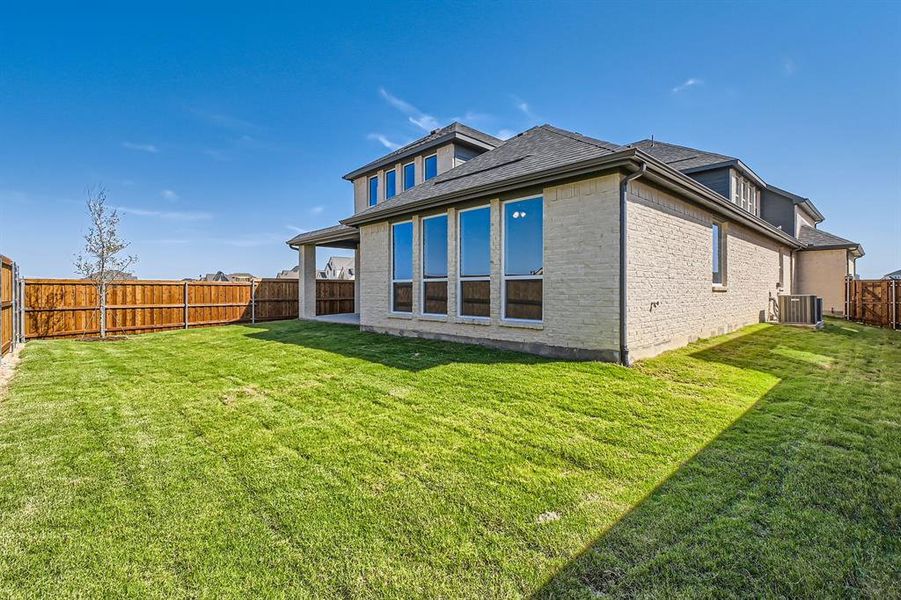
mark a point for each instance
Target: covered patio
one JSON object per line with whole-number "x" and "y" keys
{"x": 338, "y": 236}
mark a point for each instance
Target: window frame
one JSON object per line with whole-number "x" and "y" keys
{"x": 425, "y": 176}
{"x": 422, "y": 277}
{"x": 404, "y": 171}
{"x": 722, "y": 228}
{"x": 391, "y": 266}
{"x": 460, "y": 277}
{"x": 373, "y": 201}
{"x": 505, "y": 277}
{"x": 394, "y": 172}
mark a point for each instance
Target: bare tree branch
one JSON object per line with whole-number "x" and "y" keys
{"x": 100, "y": 260}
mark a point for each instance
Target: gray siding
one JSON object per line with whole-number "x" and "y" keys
{"x": 463, "y": 153}
{"x": 778, "y": 210}
{"x": 716, "y": 179}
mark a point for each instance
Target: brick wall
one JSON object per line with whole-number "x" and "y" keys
{"x": 581, "y": 258}
{"x": 671, "y": 298}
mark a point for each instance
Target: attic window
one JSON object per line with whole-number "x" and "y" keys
{"x": 745, "y": 194}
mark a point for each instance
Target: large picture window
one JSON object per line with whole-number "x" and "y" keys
{"x": 434, "y": 265}
{"x": 475, "y": 262}
{"x": 523, "y": 259}
{"x": 402, "y": 267}
{"x": 719, "y": 254}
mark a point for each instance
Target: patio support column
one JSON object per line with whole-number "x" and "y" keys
{"x": 306, "y": 282}
{"x": 357, "y": 279}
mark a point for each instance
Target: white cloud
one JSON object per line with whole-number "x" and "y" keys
{"x": 789, "y": 67}
{"x": 166, "y": 214}
{"x": 384, "y": 141}
{"x": 169, "y": 195}
{"x": 296, "y": 229}
{"x": 317, "y": 210}
{"x": 225, "y": 121}
{"x": 422, "y": 120}
{"x": 688, "y": 83}
{"x": 505, "y": 134}
{"x": 141, "y": 147}
{"x": 523, "y": 107}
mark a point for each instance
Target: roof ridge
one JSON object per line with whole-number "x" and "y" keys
{"x": 653, "y": 141}
{"x": 575, "y": 135}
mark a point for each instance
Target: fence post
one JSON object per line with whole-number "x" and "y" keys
{"x": 21, "y": 309}
{"x": 186, "y": 305}
{"x": 253, "y": 301}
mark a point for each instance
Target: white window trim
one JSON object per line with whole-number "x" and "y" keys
{"x": 505, "y": 277}
{"x": 403, "y": 171}
{"x": 369, "y": 190}
{"x": 460, "y": 277}
{"x": 386, "y": 183}
{"x": 723, "y": 254}
{"x": 425, "y": 158}
{"x": 422, "y": 265}
{"x": 391, "y": 266}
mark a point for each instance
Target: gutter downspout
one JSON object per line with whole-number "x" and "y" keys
{"x": 623, "y": 258}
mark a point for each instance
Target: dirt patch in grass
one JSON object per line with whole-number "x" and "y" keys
{"x": 8, "y": 369}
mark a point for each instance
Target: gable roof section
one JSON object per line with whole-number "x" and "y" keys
{"x": 804, "y": 202}
{"x": 823, "y": 240}
{"x": 454, "y": 131}
{"x": 893, "y": 275}
{"x": 533, "y": 151}
{"x": 692, "y": 160}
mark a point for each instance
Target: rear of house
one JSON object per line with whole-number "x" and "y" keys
{"x": 560, "y": 244}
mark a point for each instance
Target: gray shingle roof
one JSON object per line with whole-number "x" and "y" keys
{"x": 893, "y": 275}
{"x": 682, "y": 158}
{"x": 535, "y": 150}
{"x": 424, "y": 142}
{"x": 326, "y": 234}
{"x": 817, "y": 238}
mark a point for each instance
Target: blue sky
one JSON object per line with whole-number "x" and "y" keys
{"x": 222, "y": 132}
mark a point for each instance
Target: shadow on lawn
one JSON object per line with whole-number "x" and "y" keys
{"x": 410, "y": 354}
{"x": 719, "y": 523}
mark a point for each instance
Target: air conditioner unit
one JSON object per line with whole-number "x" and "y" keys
{"x": 801, "y": 309}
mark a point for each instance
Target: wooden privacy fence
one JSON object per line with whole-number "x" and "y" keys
{"x": 334, "y": 296}
{"x": 10, "y": 306}
{"x": 874, "y": 301}
{"x": 56, "y": 308}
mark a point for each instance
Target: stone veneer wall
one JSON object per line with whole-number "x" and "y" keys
{"x": 581, "y": 263}
{"x": 671, "y": 298}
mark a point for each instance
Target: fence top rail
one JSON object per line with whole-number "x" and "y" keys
{"x": 5, "y": 260}
{"x": 36, "y": 280}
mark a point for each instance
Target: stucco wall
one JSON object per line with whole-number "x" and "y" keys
{"x": 581, "y": 262}
{"x": 822, "y": 272}
{"x": 671, "y": 297}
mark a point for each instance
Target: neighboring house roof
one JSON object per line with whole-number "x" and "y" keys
{"x": 337, "y": 235}
{"x": 536, "y": 150}
{"x": 113, "y": 275}
{"x": 893, "y": 275}
{"x": 805, "y": 202}
{"x": 217, "y": 276}
{"x": 320, "y": 274}
{"x": 341, "y": 262}
{"x": 691, "y": 160}
{"x": 818, "y": 239}
{"x": 292, "y": 273}
{"x": 233, "y": 275}
{"x": 454, "y": 131}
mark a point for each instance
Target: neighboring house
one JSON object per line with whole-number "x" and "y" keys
{"x": 339, "y": 267}
{"x": 893, "y": 275}
{"x": 288, "y": 273}
{"x": 113, "y": 276}
{"x": 561, "y": 244}
{"x": 217, "y": 276}
{"x": 242, "y": 277}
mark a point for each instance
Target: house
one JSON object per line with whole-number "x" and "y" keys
{"x": 114, "y": 275}
{"x": 288, "y": 273}
{"x": 242, "y": 277}
{"x": 565, "y": 245}
{"x": 339, "y": 267}
{"x": 893, "y": 275}
{"x": 217, "y": 276}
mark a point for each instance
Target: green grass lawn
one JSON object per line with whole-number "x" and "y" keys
{"x": 310, "y": 460}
